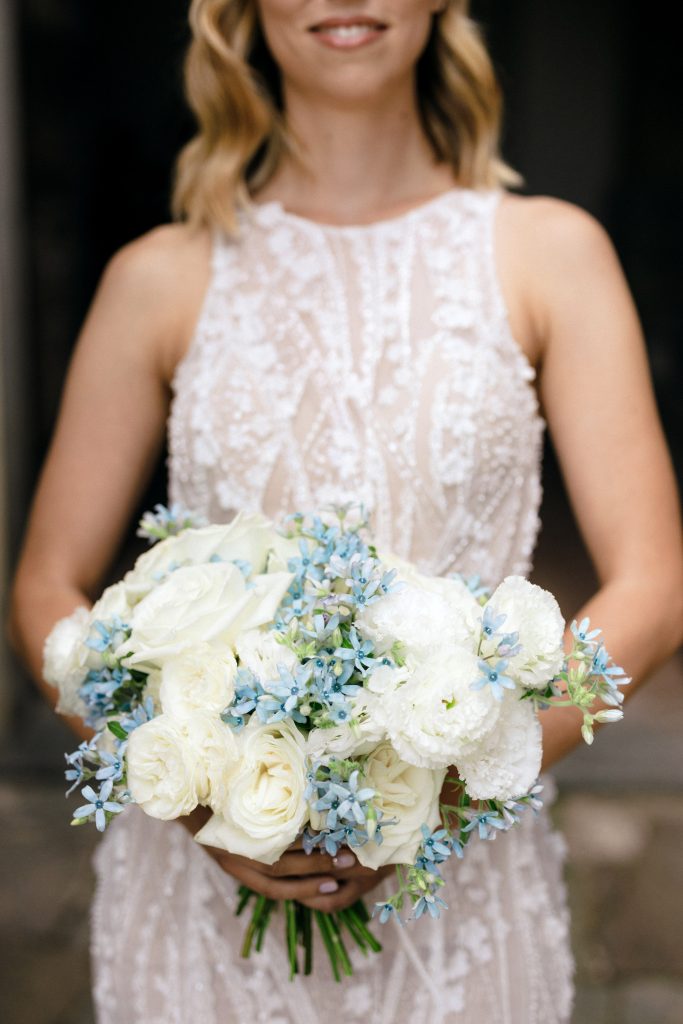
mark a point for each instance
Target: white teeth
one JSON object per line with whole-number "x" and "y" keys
{"x": 348, "y": 31}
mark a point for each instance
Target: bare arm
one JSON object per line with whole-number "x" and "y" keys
{"x": 108, "y": 436}
{"x": 598, "y": 401}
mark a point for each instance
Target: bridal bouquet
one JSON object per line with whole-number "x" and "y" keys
{"x": 303, "y": 686}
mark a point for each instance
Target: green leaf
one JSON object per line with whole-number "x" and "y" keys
{"x": 117, "y": 729}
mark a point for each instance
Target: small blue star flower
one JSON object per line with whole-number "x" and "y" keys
{"x": 494, "y": 677}
{"x": 583, "y": 633}
{"x": 431, "y": 903}
{"x": 486, "y": 822}
{"x": 491, "y": 623}
{"x": 97, "y": 804}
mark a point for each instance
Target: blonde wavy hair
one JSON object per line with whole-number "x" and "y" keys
{"x": 233, "y": 87}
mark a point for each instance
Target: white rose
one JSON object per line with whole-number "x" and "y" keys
{"x": 247, "y": 538}
{"x": 260, "y": 651}
{"x": 216, "y": 751}
{"x": 112, "y": 603}
{"x": 283, "y": 548}
{"x": 265, "y": 594}
{"x": 535, "y": 615}
{"x": 265, "y": 809}
{"x": 199, "y": 604}
{"x": 436, "y": 717}
{"x": 506, "y": 763}
{"x": 161, "y": 769}
{"x": 197, "y": 679}
{"x": 65, "y": 660}
{"x": 424, "y": 613}
{"x": 407, "y": 793}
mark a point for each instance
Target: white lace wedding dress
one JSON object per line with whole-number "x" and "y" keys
{"x": 332, "y": 363}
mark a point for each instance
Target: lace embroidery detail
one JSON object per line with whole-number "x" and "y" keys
{"x": 333, "y": 363}
{"x": 372, "y": 362}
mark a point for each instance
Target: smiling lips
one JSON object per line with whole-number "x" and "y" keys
{"x": 348, "y": 33}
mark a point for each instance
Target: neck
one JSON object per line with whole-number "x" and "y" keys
{"x": 356, "y": 162}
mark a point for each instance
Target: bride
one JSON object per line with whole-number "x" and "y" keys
{"x": 351, "y": 305}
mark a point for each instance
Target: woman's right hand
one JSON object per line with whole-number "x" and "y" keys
{"x": 317, "y": 880}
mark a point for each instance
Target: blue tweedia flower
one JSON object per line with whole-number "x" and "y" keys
{"x": 436, "y": 846}
{"x": 113, "y": 767}
{"x": 491, "y": 623}
{"x": 321, "y": 629}
{"x": 144, "y": 712}
{"x": 108, "y": 635}
{"x": 385, "y": 911}
{"x": 431, "y": 903}
{"x": 611, "y": 676}
{"x": 334, "y": 797}
{"x": 75, "y": 772}
{"x": 166, "y": 522}
{"x": 343, "y": 801}
{"x": 359, "y": 653}
{"x": 584, "y": 634}
{"x": 508, "y": 645}
{"x": 309, "y": 561}
{"x": 288, "y": 692}
{"x": 98, "y": 804}
{"x": 494, "y": 677}
{"x": 248, "y": 691}
{"x": 98, "y": 690}
{"x": 486, "y": 822}
{"x": 349, "y": 835}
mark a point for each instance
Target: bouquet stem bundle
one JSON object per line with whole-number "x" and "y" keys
{"x": 299, "y": 931}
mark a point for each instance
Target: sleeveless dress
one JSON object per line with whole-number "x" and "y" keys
{"x": 334, "y": 363}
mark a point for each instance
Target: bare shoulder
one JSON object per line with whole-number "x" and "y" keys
{"x": 163, "y": 276}
{"x": 552, "y": 233}
{"x": 550, "y": 251}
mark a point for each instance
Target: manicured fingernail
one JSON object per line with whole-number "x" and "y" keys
{"x": 328, "y": 886}
{"x": 344, "y": 860}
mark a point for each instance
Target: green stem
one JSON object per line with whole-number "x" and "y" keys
{"x": 339, "y": 945}
{"x": 348, "y": 920}
{"x": 307, "y": 938}
{"x": 323, "y": 925}
{"x": 253, "y": 925}
{"x": 263, "y": 923}
{"x": 360, "y": 924}
{"x": 245, "y": 895}
{"x": 290, "y": 924}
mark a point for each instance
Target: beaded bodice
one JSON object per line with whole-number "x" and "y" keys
{"x": 369, "y": 362}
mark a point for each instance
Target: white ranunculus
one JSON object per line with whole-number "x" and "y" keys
{"x": 248, "y": 537}
{"x": 259, "y": 651}
{"x": 197, "y": 679}
{"x": 425, "y": 612}
{"x": 407, "y": 793}
{"x": 216, "y": 750}
{"x": 162, "y": 771}
{"x": 208, "y": 604}
{"x": 535, "y": 615}
{"x": 436, "y": 717}
{"x": 65, "y": 660}
{"x": 506, "y": 763}
{"x": 265, "y": 809}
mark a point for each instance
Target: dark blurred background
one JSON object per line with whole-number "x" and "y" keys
{"x": 91, "y": 117}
